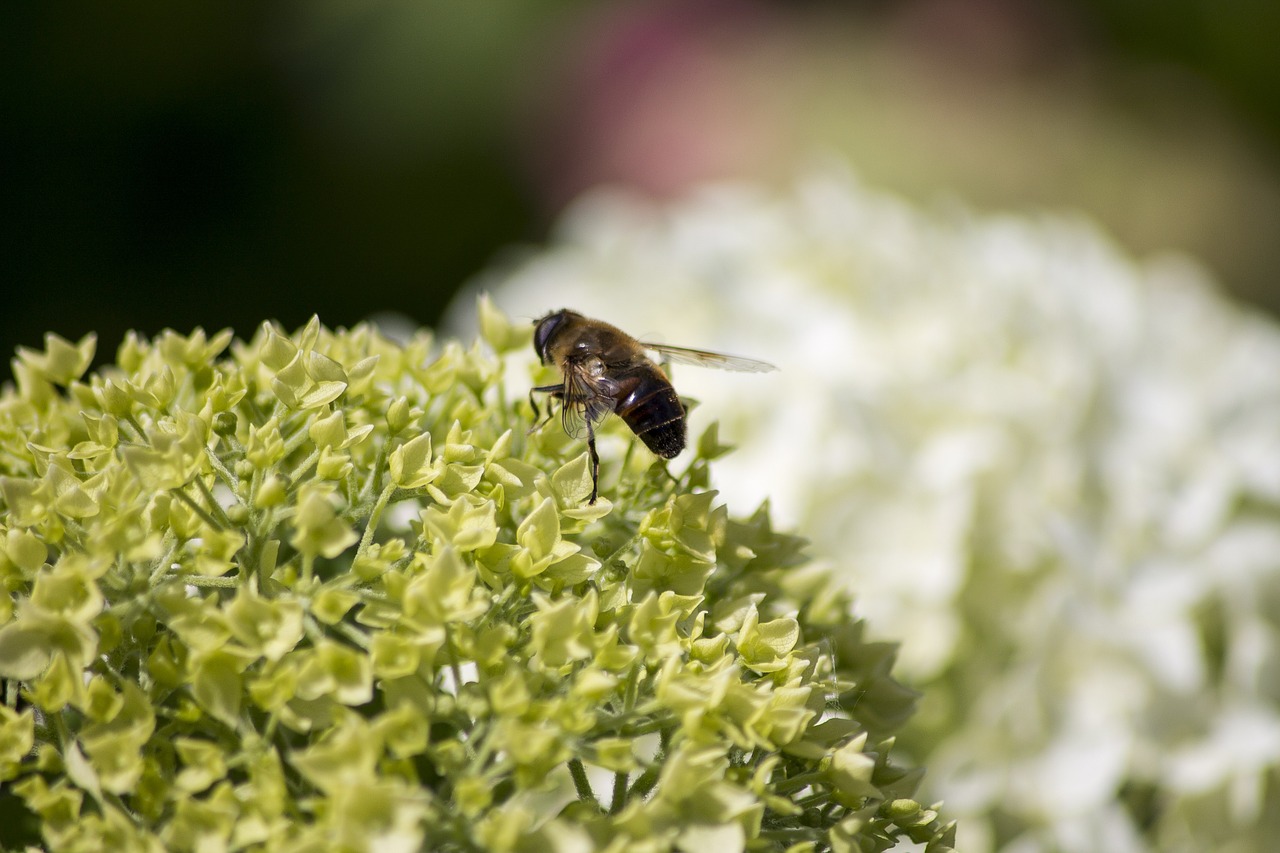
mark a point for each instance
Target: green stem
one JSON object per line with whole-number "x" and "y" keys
{"x": 644, "y": 784}
{"x": 795, "y": 783}
{"x": 208, "y": 519}
{"x": 304, "y": 466}
{"x": 453, "y": 661}
{"x": 791, "y": 836}
{"x": 119, "y": 804}
{"x": 355, "y": 635}
{"x": 581, "y": 783}
{"x": 162, "y": 565}
{"x": 313, "y": 630}
{"x": 299, "y": 436}
{"x": 227, "y": 476}
{"x": 620, "y": 779}
{"x": 213, "y": 502}
{"x": 209, "y": 581}
{"x": 375, "y": 474}
{"x": 626, "y": 546}
{"x": 139, "y": 432}
{"x": 375, "y": 515}
{"x": 632, "y": 689}
{"x": 618, "y": 724}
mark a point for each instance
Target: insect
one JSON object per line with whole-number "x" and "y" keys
{"x": 603, "y": 370}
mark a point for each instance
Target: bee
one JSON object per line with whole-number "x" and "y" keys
{"x": 603, "y": 370}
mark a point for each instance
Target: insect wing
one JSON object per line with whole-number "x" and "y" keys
{"x": 585, "y": 399}
{"x": 703, "y": 358}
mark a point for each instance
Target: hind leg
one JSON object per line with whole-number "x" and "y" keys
{"x": 595, "y": 462}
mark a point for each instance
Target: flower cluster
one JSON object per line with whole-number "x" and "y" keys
{"x": 327, "y": 592}
{"x": 1053, "y": 470}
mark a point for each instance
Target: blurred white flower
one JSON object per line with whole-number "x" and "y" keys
{"x": 1052, "y": 471}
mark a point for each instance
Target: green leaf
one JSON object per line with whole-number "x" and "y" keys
{"x": 266, "y": 445}
{"x": 318, "y": 530}
{"x": 360, "y": 374}
{"x": 28, "y": 643}
{"x": 411, "y": 463}
{"x": 202, "y": 823}
{"x": 70, "y": 497}
{"x": 333, "y": 465}
{"x": 217, "y": 685}
{"x": 338, "y": 672}
{"x": 348, "y": 755}
{"x": 850, "y": 769}
{"x": 27, "y": 501}
{"x": 277, "y": 351}
{"x": 25, "y": 549}
{"x": 709, "y": 445}
{"x": 321, "y": 394}
{"x": 443, "y": 591}
{"x": 727, "y": 837}
{"x": 498, "y": 331}
{"x": 400, "y": 414}
{"x": 329, "y": 431}
{"x": 23, "y": 653}
{"x": 394, "y": 656}
{"x": 324, "y": 370}
{"x": 571, "y": 482}
{"x": 62, "y": 361}
{"x": 564, "y": 630}
{"x": 404, "y": 730}
{"x": 615, "y": 754}
{"x": 266, "y": 628}
{"x": 17, "y": 737}
{"x": 332, "y": 603}
{"x": 539, "y": 533}
{"x": 275, "y": 685}
{"x": 203, "y": 764}
{"x": 291, "y": 382}
{"x": 58, "y": 685}
{"x": 697, "y": 526}
{"x": 81, "y": 772}
{"x": 101, "y": 703}
{"x": 764, "y": 646}
{"x": 455, "y": 481}
{"x": 114, "y": 746}
{"x": 469, "y": 523}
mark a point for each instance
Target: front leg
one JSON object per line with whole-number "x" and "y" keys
{"x": 556, "y": 391}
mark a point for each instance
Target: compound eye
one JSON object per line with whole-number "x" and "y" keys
{"x": 542, "y": 334}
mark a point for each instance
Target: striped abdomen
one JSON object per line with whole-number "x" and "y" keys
{"x": 651, "y": 408}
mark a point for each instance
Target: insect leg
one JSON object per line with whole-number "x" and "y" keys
{"x": 554, "y": 391}
{"x": 595, "y": 462}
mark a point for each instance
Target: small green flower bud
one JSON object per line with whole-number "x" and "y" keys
{"x": 224, "y": 423}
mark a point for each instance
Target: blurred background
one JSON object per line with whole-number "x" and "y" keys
{"x": 218, "y": 164}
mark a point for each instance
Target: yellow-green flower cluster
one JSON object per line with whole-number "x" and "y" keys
{"x": 327, "y": 592}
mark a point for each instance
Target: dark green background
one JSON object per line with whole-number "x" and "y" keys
{"x": 175, "y": 165}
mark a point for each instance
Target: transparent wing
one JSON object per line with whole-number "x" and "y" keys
{"x": 586, "y": 398}
{"x": 703, "y": 358}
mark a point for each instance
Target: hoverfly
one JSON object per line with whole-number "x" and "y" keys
{"x": 603, "y": 370}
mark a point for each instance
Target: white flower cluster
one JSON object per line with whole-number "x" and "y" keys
{"x": 1053, "y": 472}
